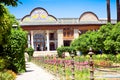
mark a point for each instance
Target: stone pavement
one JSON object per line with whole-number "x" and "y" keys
{"x": 35, "y": 72}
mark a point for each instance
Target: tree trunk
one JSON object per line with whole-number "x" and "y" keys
{"x": 108, "y": 11}
{"x": 118, "y": 10}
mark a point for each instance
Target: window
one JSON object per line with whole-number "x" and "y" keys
{"x": 52, "y": 36}
{"x": 68, "y": 32}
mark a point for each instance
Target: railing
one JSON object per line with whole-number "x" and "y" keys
{"x": 73, "y": 68}
{"x": 64, "y": 69}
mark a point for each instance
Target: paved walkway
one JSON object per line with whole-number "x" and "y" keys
{"x": 35, "y": 72}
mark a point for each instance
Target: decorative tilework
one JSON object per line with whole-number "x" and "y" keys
{"x": 39, "y": 15}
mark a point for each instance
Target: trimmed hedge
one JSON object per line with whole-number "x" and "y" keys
{"x": 63, "y": 49}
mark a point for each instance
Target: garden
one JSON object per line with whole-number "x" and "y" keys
{"x": 105, "y": 43}
{"x": 63, "y": 67}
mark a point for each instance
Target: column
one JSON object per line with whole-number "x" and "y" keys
{"x": 60, "y": 37}
{"x": 76, "y": 33}
{"x": 48, "y": 42}
{"x": 28, "y": 40}
{"x": 32, "y": 39}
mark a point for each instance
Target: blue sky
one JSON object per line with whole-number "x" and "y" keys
{"x": 65, "y": 8}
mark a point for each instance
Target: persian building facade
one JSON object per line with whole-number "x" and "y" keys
{"x": 47, "y": 33}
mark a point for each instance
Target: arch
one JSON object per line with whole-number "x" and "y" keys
{"x": 88, "y": 16}
{"x": 39, "y": 15}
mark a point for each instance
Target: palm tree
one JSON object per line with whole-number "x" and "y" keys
{"x": 118, "y": 10}
{"x": 108, "y": 11}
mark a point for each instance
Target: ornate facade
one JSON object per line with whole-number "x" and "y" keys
{"x": 46, "y": 33}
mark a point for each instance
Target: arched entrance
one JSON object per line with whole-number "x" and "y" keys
{"x": 39, "y": 42}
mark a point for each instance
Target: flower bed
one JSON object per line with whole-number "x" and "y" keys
{"x": 55, "y": 66}
{"x": 102, "y": 63}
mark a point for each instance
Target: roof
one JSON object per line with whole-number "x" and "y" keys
{"x": 39, "y": 16}
{"x": 66, "y": 21}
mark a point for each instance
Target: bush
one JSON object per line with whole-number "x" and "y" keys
{"x": 3, "y": 64}
{"x": 7, "y": 75}
{"x": 30, "y": 52}
{"x": 14, "y": 50}
{"x": 62, "y": 49}
{"x": 118, "y": 57}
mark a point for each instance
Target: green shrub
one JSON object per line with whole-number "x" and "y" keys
{"x": 118, "y": 57}
{"x": 30, "y": 52}
{"x": 7, "y": 75}
{"x": 14, "y": 50}
{"x": 111, "y": 57}
{"x": 63, "y": 49}
{"x": 3, "y": 64}
{"x": 104, "y": 56}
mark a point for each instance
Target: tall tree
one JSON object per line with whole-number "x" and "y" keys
{"x": 6, "y": 21}
{"x": 118, "y": 10}
{"x": 10, "y": 2}
{"x": 108, "y": 11}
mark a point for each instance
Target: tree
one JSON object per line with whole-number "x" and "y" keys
{"x": 118, "y": 10}
{"x": 6, "y": 22}
{"x": 12, "y": 42}
{"x": 112, "y": 42}
{"x": 10, "y": 2}
{"x": 108, "y": 11}
{"x": 107, "y": 39}
{"x": 82, "y": 43}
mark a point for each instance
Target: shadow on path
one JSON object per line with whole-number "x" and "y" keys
{"x": 34, "y": 72}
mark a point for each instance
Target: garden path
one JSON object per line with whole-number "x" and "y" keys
{"x": 107, "y": 74}
{"x": 34, "y": 72}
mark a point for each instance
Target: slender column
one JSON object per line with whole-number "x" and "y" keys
{"x": 48, "y": 42}
{"x": 60, "y": 37}
{"x": 32, "y": 39}
{"x": 28, "y": 40}
{"x": 76, "y": 33}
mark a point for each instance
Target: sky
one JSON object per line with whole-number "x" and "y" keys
{"x": 65, "y": 8}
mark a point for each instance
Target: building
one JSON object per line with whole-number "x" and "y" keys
{"x": 47, "y": 33}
